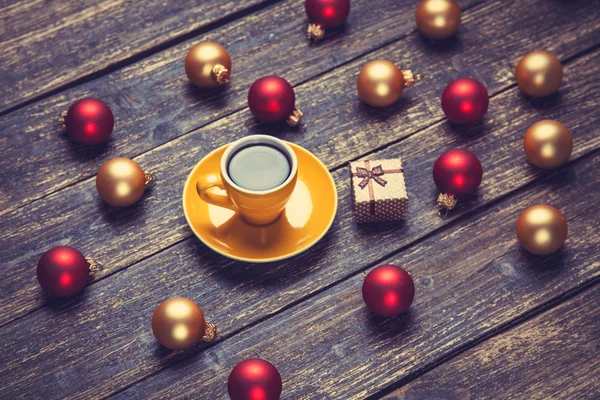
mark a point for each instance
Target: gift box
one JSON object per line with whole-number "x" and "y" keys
{"x": 378, "y": 190}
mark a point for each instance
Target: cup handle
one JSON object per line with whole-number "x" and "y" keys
{"x": 205, "y": 186}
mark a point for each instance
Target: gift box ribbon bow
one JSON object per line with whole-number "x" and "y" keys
{"x": 367, "y": 175}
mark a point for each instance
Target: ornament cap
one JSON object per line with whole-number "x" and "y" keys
{"x": 95, "y": 266}
{"x": 149, "y": 180}
{"x": 220, "y": 74}
{"x": 410, "y": 78}
{"x": 315, "y": 32}
{"x": 294, "y": 119}
{"x": 446, "y": 201}
{"x": 210, "y": 332}
{"x": 62, "y": 119}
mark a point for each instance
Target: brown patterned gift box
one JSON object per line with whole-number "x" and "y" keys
{"x": 378, "y": 190}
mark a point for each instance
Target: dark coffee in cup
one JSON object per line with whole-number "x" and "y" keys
{"x": 259, "y": 167}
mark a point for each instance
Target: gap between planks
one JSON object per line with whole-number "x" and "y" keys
{"x": 517, "y": 321}
{"x": 105, "y": 71}
{"x": 136, "y": 57}
{"x": 442, "y": 228}
{"x": 438, "y": 121}
{"x": 502, "y": 327}
{"x": 499, "y": 330}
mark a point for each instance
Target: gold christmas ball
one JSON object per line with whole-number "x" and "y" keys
{"x": 178, "y": 323}
{"x": 380, "y": 83}
{"x": 539, "y": 73}
{"x": 208, "y": 65}
{"x": 438, "y": 19}
{"x": 548, "y": 144}
{"x": 120, "y": 182}
{"x": 541, "y": 229}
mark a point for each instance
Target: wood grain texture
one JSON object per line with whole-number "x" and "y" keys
{"x": 235, "y": 295}
{"x": 47, "y": 44}
{"x": 75, "y": 216}
{"x": 155, "y": 104}
{"x": 553, "y": 356}
{"x": 469, "y": 281}
{"x": 305, "y": 314}
{"x": 121, "y": 237}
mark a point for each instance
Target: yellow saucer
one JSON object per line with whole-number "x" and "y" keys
{"x": 304, "y": 221}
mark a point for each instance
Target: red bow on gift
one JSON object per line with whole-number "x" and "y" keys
{"x": 374, "y": 174}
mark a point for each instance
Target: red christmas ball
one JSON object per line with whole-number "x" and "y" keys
{"x": 327, "y": 13}
{"x": 388, "y": 290}
{"x": 465, "y": 101}
{"x": 458, "y": 172}
{"x": 254, "y": 379}
{"x": 271, "y": 99}
{"x": 63, "y": 271}
{"x": 89, "y": 121}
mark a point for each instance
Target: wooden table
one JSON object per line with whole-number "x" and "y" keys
{"x": 488, "y": 321}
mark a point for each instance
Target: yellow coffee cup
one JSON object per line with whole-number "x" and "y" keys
{"x": 255, "y": 177}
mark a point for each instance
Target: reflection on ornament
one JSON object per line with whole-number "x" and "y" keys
{"x": 388, "y": 290}
{"x": 208, "y": 65}
{"x": 457, "y": 173}
{"x": 178, "y": 324}
{"x": 438, "y": 19}
{"x": 254, "y": 379}
{"x": 380, "y": 83}
{"x": 324, "y": 14}
{"x": 541, "y": 229}
{"x": 465, "y": 101}
{"x": 272, "y": 99}
{"x": 539, "y": 73}
{"x": 548, "y": 144}
{"x": 89, "y": 121}
{"x": 121, "y": 182}
{"x": 63, "y": 271}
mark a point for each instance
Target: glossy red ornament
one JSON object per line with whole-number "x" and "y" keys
{"x": 254, "y": 379}
{"x": 272, "y": 99}
{"x": 465, "y": 101}
{"x": 388, "y": 290}
{"x": 89, "y": 121}
{"x": 458, "y": 172}
{"x": 63, "y": 271}
{"x": 327, "y": 13}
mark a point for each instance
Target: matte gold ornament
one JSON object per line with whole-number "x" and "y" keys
{"x": 178, "y": 324}
{"x": 121, "y": 182}
{"x": 380, "y": 83}
{"x": 438, "y": 19}
{"x": 208, "y": 65}
{"x": 548, "y": 144}
{"x": 541, "y": 229}
{"x": 539, "y": 73}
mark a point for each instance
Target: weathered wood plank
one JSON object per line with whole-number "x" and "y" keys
{"x": 117, "y": 310}
{"x": 121, "y": 237}
{"x": 469, "y": 281}
{"x": 76, "y": 216}
{"x": 154, "y": 102}
{"x": 552, "y": 356}
{"x": 144, "y": 95}
{"x": 47, "y": 44}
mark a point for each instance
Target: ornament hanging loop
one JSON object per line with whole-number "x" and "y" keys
{"x": 95, "y": 266}
{"x": 210, "y": 333}
{"x": 150, "y": 180}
